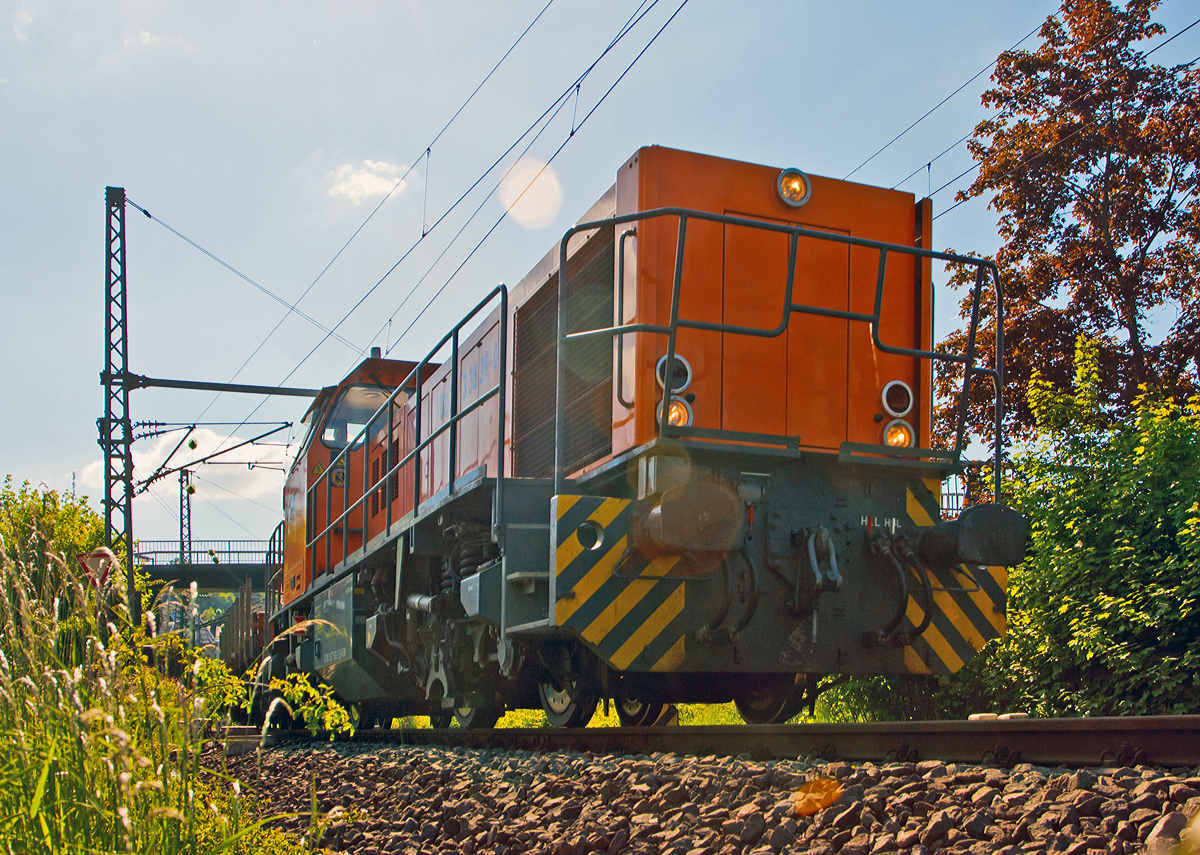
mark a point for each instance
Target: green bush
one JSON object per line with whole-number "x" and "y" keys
{"x": 1104, "y": 614}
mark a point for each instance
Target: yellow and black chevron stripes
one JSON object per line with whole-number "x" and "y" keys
{"x": 965, "y": 617}
{"x": 616, "y": 601}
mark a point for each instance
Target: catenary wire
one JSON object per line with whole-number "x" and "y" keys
{"x": 553, "y": 108}
{"x": 540, "y": 171}
{"x": 978, "y": 74}
{"x": 642, "y": 10}
{"x": 1078, "y": 130}
{"x": 234, "y": 493}
{"x": 971, "y": 133}
{"x": 387, "y": 196}
{"x": 470, "y": 219}
{"x": 233, "y": 520}
{"x": 290, "y": 308}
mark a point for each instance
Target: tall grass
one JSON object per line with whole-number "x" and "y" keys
{"x": 99, "y": 750}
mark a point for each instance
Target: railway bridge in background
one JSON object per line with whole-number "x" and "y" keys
{"x": 214, "y": 565}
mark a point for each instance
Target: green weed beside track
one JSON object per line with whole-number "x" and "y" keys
{"x": 99, "y": 751}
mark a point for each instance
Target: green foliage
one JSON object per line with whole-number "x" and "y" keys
{"x": 101, "y": 749}
{"x": 1104, "y": 614}
{"x": 315, "y": 704}
{"x": 221, "y": 689}
{"x": 36, "y": 522}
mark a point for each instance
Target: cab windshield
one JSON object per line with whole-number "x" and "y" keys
{"x": 350, "y": 414}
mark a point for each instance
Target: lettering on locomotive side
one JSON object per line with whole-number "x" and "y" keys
{"x": 889, "y": 523}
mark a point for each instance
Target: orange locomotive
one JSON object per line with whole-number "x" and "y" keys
{"x": 696, "y": 467}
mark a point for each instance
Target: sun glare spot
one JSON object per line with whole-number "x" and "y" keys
{"x": 531, "y": 193}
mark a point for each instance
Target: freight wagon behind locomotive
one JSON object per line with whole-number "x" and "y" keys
{"x": 685, "y": 459}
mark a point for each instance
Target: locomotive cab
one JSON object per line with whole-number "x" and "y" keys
{"x": 335, "y": 424}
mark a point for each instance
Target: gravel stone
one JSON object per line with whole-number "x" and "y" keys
{"x": 426, "y": 800}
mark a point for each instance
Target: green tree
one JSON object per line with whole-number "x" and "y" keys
{"x": 34, "y": 522}
{"x": 1092, "y": 161}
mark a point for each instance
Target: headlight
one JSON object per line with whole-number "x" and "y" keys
{"x": 897, "y": 398}
{"x": 898, "y": 434}
{"x": 679, "y": 413}
{"x": 794, "y": 187}
{"x": 681, "y": 377}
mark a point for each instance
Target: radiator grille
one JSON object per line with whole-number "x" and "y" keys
{"x": 588, "y": 410}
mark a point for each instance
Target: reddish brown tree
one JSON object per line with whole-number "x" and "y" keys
{"x": 1093, "y": 163}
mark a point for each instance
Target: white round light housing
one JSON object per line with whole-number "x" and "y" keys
{"x": 897, "y": 399}
{"x": 899, "y": 434}
{"x": 794, "y": 187}
{"x": 681, "y": 377}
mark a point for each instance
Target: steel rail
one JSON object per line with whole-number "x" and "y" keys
{"x": 1168, "y": 741}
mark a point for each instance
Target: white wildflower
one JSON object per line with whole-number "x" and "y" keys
{"x": 196, "y": 668}
{"x": 152, "y": 623}
{"x": 193, "y": 589}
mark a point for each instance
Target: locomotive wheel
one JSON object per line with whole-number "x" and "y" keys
{"x": 771, "y": 698}
{"x": 635, "y": 713}
{"x": 568, "y": 706}
{"x": 478, "y": 715}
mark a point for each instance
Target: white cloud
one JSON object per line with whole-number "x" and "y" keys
{"x": 145, "y": 39}
{"x": 22, "y": 20}
{"x": 373, "y": 178}
{"x": 260, "y": 479}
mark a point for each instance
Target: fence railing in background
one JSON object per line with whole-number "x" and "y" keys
{"x": 974, "y": 485}
{"x": 158, "y": 552}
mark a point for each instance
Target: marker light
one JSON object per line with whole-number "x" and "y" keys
{"x": 898, "y": 434}
{"x": 794, "y": 187}
{"x": 897, "y": 398}
{"x": 681, "y": 378}
{"x": 679, "y": 413}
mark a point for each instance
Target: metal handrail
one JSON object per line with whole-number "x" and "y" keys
{"x": 363, "y": 436}
{"x": 274, "y": 588}
{"x": 983, "y": 267}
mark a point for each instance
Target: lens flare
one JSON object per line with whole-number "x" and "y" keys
{"x": 531, "y": 193}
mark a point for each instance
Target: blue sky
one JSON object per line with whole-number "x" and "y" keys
{"x": 267, "y": 132}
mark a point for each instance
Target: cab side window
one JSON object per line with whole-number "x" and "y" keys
{"x": 350, "y": 414}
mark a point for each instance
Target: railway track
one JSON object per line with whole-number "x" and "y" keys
{"x": 1165, "y": 741}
